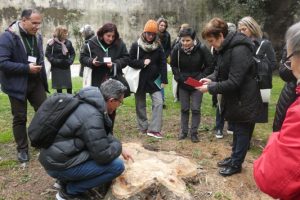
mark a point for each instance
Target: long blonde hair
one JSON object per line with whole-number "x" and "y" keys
{"x": 252, "y": 25}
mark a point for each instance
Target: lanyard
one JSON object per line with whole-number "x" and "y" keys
{"x": 104, "y": 49}
{"x": 30, "y": 47}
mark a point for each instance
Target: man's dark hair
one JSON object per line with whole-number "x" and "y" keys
{"x": 26, "y": 13}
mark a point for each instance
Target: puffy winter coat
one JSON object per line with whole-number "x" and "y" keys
{"x": 14, "y": 67}
{"x": 234, "y": 79}
{"x": 197, "y": 65}
{"x": 287, "y": 95}
{"x": 84, "y": 136}
{"x": 277, "y": 170}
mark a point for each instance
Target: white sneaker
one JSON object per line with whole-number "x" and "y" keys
{"x": 58, "y": 197}
{"x": 157, "y": 135}
{"x": 219, "y": 134}
{"x": 229, "y": 132}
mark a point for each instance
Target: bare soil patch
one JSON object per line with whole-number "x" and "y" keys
{"x": 17, "y": 183}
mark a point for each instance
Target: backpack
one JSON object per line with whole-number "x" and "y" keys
{"x": 49, "y": 118}
{"x": 262, "y": 70}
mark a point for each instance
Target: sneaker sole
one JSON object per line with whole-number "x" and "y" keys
{"x": 219, "y": 136}
{"x": 58, "y": 197}
{"x": 153, "y": 135}
{"x": 230, "y": 132}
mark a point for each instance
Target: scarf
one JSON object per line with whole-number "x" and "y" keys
{"x": 146, "y": 46}
{"x": 64, "y": 48}
{"x": 189, "y": 50}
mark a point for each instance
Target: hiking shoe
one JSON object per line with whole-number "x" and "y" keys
{"x": 229, "y": 132}
{"x": 63, "y": 195}
{"x": 157, "y": 135}
{"x": 219, "y": 134}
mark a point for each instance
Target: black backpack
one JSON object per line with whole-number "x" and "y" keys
{"x": 262, "y": 69}
{"x": 49, "y": 118}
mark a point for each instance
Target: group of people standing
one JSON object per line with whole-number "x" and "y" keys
{"x": 228, "y": 72}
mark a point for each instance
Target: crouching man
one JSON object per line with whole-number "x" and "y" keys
{"x": 85, "y": 154}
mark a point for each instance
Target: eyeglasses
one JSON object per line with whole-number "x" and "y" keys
{"x": 287, "y": 62}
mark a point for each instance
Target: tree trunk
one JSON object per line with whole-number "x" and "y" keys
{"x": 153, "y": 176}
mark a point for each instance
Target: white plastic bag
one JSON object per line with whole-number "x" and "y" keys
{"x": 265, "y": 95}
{"x": 133, "y": 77}
{"x": 87, "y": 77}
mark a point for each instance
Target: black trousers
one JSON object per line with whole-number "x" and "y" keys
{"x": 36, "y": 95}
{"x": 241, "y": 141}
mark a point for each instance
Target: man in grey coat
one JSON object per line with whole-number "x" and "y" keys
{"x": 85, "y": 153}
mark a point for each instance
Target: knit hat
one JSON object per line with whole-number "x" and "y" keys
{"x": 151, "y": 26}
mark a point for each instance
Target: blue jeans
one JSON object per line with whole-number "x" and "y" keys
{"x": 88, "y": 175}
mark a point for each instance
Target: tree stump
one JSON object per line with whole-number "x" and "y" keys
{"x": 153, "y": 176}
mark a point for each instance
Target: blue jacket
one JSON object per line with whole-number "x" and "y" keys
{"x": 14, "y": 67}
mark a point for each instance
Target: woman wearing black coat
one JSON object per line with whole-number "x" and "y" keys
{"x": 234, "y": 79}
{"x": 190, "y": 58}
{"x": 105, "y": 53}
{"x": 60, "y": 53}
{"x": 249, "y": 27}
{"x": 148, "y": 55}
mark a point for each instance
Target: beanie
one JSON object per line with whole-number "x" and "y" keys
{"x": 151, "y": 26}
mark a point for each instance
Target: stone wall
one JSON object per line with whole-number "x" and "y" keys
{"x": 129, "y": 15}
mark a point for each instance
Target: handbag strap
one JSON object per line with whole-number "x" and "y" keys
{"x": 138, "y": 51}
{"x": 89, "y": 48}
{"x": 178, "y": 60}
{"x": 258, "y": 49}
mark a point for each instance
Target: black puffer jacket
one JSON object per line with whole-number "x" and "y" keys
{"x": 198, "y": 64}
{"x": 287, "y": 95}
{"x": 117, "y": 51}
{"x": 57, "y": 58}
{"x": 234, "y": 79}
{"x": 84, "y": 136}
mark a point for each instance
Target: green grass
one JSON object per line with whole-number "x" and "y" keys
{"x": 262, "y": 131}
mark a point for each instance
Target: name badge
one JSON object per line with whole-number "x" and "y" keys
{"x": 31, "y": 59}
{"x": 107, "y": 59}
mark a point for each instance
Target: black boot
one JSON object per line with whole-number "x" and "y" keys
{"x": 225, "y": 163}
{"x": 182, "y": 136}
{"x": 194, "y": 137}
{"x": 230, "y": 170}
